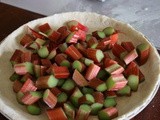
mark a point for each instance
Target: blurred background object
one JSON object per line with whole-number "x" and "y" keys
{"x": 144, "y": 15}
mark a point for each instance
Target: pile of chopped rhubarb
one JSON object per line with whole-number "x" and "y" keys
{"x": 72, "y": 73}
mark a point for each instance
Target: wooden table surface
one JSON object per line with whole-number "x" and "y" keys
{"x": 11, "y": 18}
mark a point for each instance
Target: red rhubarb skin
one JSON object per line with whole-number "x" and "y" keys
{"x": 92, "y": 72}
{"x": 20, "y": 69}
{"x": 55, "y": 91}
{"x": 95, "y": 82}
{"x": 16, "y": 57}
{"x": 28, "y": 86}
{"x": 103, "y": 44}
{"x": 26, "y": 40}
{"x": 79, "y": 79}
{"x": 99, "y": 97}
{"x": 114, "y": 38}
{"x": 35, "y": 34}
{"x": 82, "y": 49}
{"x": 92, "y": 41}
{"x": 44, "y": 28}
{"x": 81, "y": 34}
{"x": 60, "y": 71}
{"x": 51, "y": 99}
{"x": 73, "y": 52}
{"x": 143, "y": 57}
{"x": 128, "y": 46}
{"x": 54, "y": 36}
{"x": 35, "y": 59}
{"x": 46, "y": 62}
{"x": 82, "y": 115}
{"x": 117, "y": 50}
{"x": 59, "y": 58}
{"x": 26, "y": 57}
{"x": 28, "y": 99}
{"x": 56, "y": 114}
{"x": 17, "y": 85}
{"x": 78, "y": 26}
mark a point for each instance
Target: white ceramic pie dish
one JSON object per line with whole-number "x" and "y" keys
{"x": 128, "y": 107}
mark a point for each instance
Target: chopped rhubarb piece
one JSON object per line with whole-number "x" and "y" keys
{"x": 16, "y": 57}
{"x": 28, "y": 86}
{"x": 81, "y": 48}
{"x": 126, "y": 91}
{"x": 110, "y": 102}
{"x": 95, "y": 54}
{"x": 92, "y": 43}
{"x": 63, "y": 36}
{"x": 39, "y": 70}
{"x": 78, "y": 65}
{"x": 87, "y": 90}
{"x": 72, "y": 37}
{"x": 56, "y": 114}
{"x": 98, "y": 85}
{"x": 43, "y": 52}
{"x": 132, "y": 69}
{"x": 14, "y": 77}
{"x": 103, "y": 44}
{"x": 60, "y": 71}
{"x": 130, "y": 56}
{"x": 55, "y": 91}
{"x": 75, "y": 96}
{"x": 75, "y": 25}
{"x": 92, "y": 71}
{"x": 69, "y": 110}
{"x": 116, "y": 82}
{"x": 35, "y": 59}
{"x": 68, "y": 85}
{"x": 133, "y": 82}
{"x": 17, "y": 85}
{"x": 35, "y": 34}
{"x": 92, "y": 117}
{"x": 99, "y": 97}
{"x": 73, "y": 52}
{"x": 86, "y": 99}
{"x": 46, "y": 82}
{"x": 96, "y": 107}
{"x": 119, "y": 51}
{"x": 128, "y": 46}
{"x": 34, "y": 109}
{"x": 63, "y": 47}
{"x": 82, "y": 35}
{"x": 51, "y": 46}
{"x": 60, "y": 82}
{"x": 19, "y": 96}
{"x": 109, "y": 31}
{"x": 44, "y": 28}
{"x": 83, "y": 112}
{"x": 143, "y": 51}
{"x": 26, "y": 40}
{"x": 52, "y": 54}
{"x": 26, "y": 57}
{"x": 54, "y": 36}
{"x": 120, "y": 62}
{"x": 87, "y": 61}
{"x": 79, "y": 79}
{"x": 61, "y": 60}
{"x": 62, "y": 97}
{"x": 141, "y": 76}
{"x": 108, "y": 113}
{"x": 26, "y": 77}
{"x": 99, "y": 34}
{"x": 62, "y": 29}
{"x": 46, "y": 62}
{"x": 110, "y": 94}
{"x": 114, "y": 39}
{"x": 31, "y": 97}
{"x": 106, "y": 55}
{"x": 49, "y": 98}
{"x": 88, "y": 37}
{"x": 103, "y": 74}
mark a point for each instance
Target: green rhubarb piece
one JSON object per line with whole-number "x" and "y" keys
{"x": 89, "y": 99}
{"x": 103, "y": 115}
{"x": 123, "y": 54}
{"x": 63, "y": 47}
{"x": 87, "y": 90}
{"x": 126, "y": 91}
{"x": 96, "y": 107}
{"x": 69, "y": 110}
{"x": 29, "y": 67}
{"x": 87, "y": 61}
{"x": 37, "y": 70}
{"x": 75, "y": 96}
{"x": 19, "y": 96}
{"x": 83, "y": 111}
{"x": 34, "y": 46}
{"x": 94, "y": 45}
{"x": 34, "y": 109}
{"x": 62, "y": 97}
{"x": 99, "y": 55}
{"x": 133, "y": 82}
{"x": 52, "y": 81}
{"x": 77, "y": 65}
{"x": 142, "y": 47}
{"x": 60, "y": 82}
{"x": 109, "y": 31}
{"x": 40, "y": 41}
{"x": 36, "y": 94}
{"x": 112, "y": 68}
{"x": 43, "y": 52}
{"x": 14, "y": 77}
{"x": 65, "y": 63}
{"x": 102, "y": 87}
{"x": 88, "y": 37}
{"x": 103, "y": 74}
{"x": 68, "y": 85}
{"x": 101, "y": 34}
{"x": 52, "y": 54}
{"x": 109, "y": 102}
{"x": 69, "y": 37}
{"x": 110, "y": 83}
